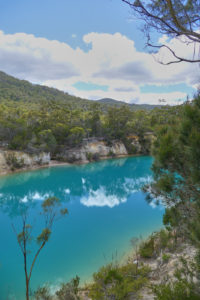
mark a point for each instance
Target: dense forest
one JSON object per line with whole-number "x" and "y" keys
{"x": 36, "y": 118}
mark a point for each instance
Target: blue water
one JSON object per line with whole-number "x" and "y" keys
{"x": 106, "y": 209}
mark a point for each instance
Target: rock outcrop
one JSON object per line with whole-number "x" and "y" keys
{"x": 92, "y": 149}
{"x": 13, "y": 160}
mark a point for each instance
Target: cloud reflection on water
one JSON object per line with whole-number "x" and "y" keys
{"x": 101, "y": 196}
{"x": 107, "y": 183}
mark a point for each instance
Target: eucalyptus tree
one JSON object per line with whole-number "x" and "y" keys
{"x": 51, "y": 211}
{"x": 176, "y": 171}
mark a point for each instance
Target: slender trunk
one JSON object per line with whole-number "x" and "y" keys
{"x": 26, "y": 277}
{"x": 27, "y": 289}
{"x": 34, "y": 260}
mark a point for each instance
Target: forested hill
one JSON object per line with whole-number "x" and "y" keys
{"x": 36, "y": 118}
{"x": 134, "y": 106}
{"x": 15, "y": 89}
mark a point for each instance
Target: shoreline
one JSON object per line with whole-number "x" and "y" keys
{"x": 55, "y": 163}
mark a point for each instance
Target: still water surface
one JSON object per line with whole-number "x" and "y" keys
{"x": 106, "y": 209}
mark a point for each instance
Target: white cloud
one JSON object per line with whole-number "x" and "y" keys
{"x": 112, "y": 61}
{"x": 100, "y": 198}
{"x": 36, "y": 196}
{"x": 67, "y": 191}
{"x": 24, "y": 199}
{"x": 39, "y": 196}
{"x": 133, "y": 185}
{"x": 163, "y": 39}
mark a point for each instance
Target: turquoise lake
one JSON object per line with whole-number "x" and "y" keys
{"x": 106, "y": 209}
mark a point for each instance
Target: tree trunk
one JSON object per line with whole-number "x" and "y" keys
{"x": 27, "y": 289}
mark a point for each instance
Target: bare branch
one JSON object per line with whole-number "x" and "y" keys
{"x": 173, "y": 18}
{"x": 179, "y": 59}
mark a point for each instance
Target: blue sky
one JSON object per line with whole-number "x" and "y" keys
{"x": 59, "y": 19}
{"x": 91, "y": 49}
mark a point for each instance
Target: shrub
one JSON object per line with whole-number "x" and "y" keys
{"x": 164, "y": 238}
{"x": 111, "y": 153}
{"x": 96, "y": 156}
{"x": 14, "y": 162}
{"x": 147, "y": 248}
{"x": 132, "y": 149}
{"x": 118, "y": 282}
{"x": 166, "y": 257}
{"x": 184, "y": 285}
{"x": 69, "y": 290}
{"x": 71, "y": 159}
{"x": 180, "y": 290}
{"x": 89, "y": 156}
{"x": 43, "y": 293}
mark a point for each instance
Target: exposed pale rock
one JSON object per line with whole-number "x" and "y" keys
{"x": 90, "y": 148}
{"x": 3, "y": 164}
{"x": 24, "y": 159}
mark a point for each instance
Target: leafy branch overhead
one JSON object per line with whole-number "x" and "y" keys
{"x": 175, "y": 19}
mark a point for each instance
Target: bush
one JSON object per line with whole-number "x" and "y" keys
{"x": 166, "y": 257}
{"x": 180, "y": 290}
{"x": 69, "y": 291}
{"x": 92, "y": 156}
{"x": 183, "y": 286}
{"x": 43, "y": 293}
{"x": 14, "y": 162}
{"x": 89, "y": 156}
{"x": 71, "y": 159}
{"x": 111, "y": 153}
{"x": 147, "y": 248}
{"x": 118, "y": 282}
{"x": 164, "y": 238}
{"x": 132, "y": 149}
{"x": 96, "y": 156}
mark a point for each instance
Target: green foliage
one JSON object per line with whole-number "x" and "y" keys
{"x": 111, "y": 153}
{"x": 147, "y": 248}
{"x": 76, "y": 135}
{"x": 166, "y": 257}
{"x": 164, "y": 238}
{"x": 171, "y": 218}
{"x": 43, "y": 293}
{"x": 89, "y": 156}
{"x": 69, "y": 290}
{"x": 181, "y": 287}
{"x": 177, "y": 174}
{"x": 92, "y": 156}
{"x": 118, "y": 282}
{"x": 36, "y": 118}
{"x": 180, "y": 290}
{"x": 129, "y": 146}
{"x": 14, "y": 162}
{"x": 44, "y": 236}
{"x": 51, "y": 212}
{"x": 46, "y": 140}
{"x": 25, "y": 235}
{"x": 50, "y": 202}
{"x": 177, "y": 181}
{"x": 95, "y": 156}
